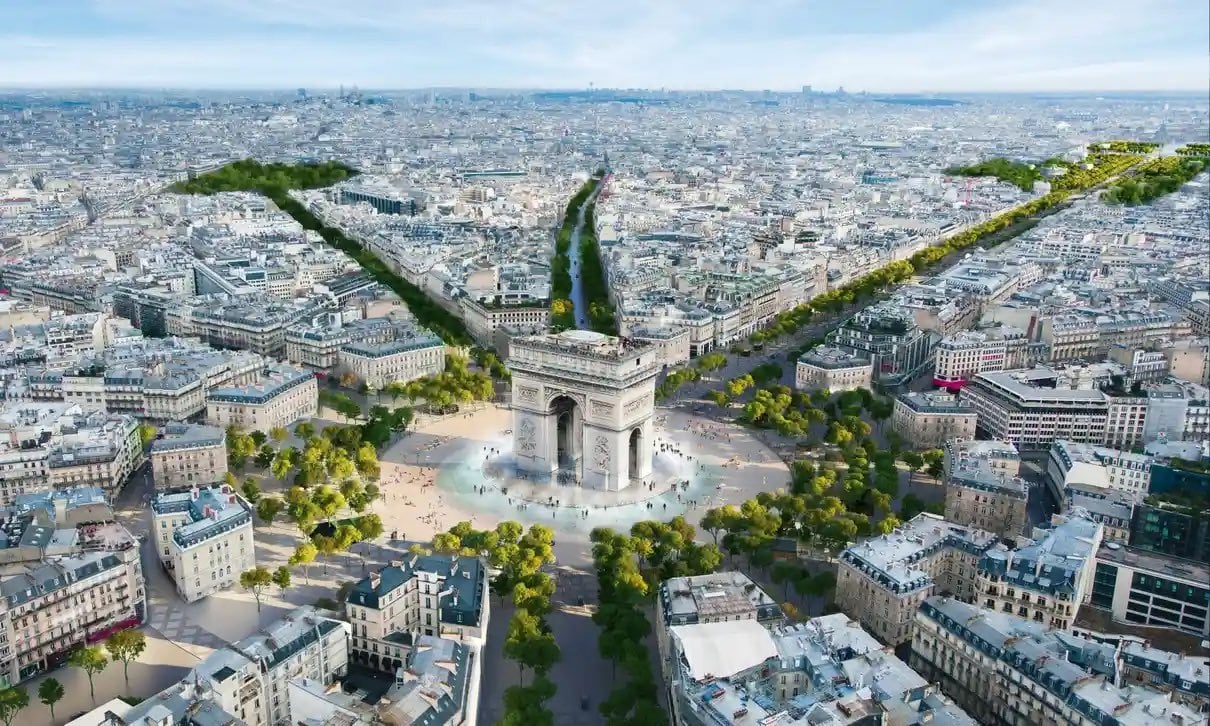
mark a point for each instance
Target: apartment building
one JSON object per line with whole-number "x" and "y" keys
{"x": 1091, "y": 335}
{"x": 50, "y": 607}
{"x": 983, "y": 488}
{"x": 1008, "y": 670}
{"x": 1045, "y": 580}
{"x": 883, "y": 580}
{"x": 712, "y": 598}
{"x": 1072, "y": 463}
{"x": 831, "y": 368}
{"x": 928, "y": 420}
{"x": 187, "y": 455}
{"x": 249, "y": 324}
{"x": 671, "y": 345}
{"x": 248, "y": 682}
{"x": 436, "y": 595}
{"x": 482, "y": 321}
{"x": 54, "y": 446}
{"x": 157, "y": 380}
{"x": 58, "y": 523}
{"x": 1142, "y": 366}
{"x": 960, "y": 356}
{"x": 203, "y": 538}
{"x": 1112, "y": 509}
{"x": 886, "y": 334}
{"x": 828, "y": 670}
{"x": 1146, "y": 588}
{"x": 1185, "y": 677}
{"x": 403, "y": 359}
{"x": 281, "y": 396}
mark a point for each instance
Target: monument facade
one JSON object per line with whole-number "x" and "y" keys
{"x": 583, "y": 405}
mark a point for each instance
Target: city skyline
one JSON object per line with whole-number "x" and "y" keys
{"x": 920, "y": 46}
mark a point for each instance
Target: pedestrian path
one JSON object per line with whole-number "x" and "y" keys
{"x": 172, "y": 622}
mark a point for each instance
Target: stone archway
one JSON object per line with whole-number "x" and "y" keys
{"x": 634, "y": 453}
{"x": 568, "y": 431}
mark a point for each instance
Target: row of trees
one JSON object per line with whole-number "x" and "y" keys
{"x": 674, "y": 380}
{"x": 249, "y": 175}
{"x": 1154, "y": 179}
{"x": 1016, "y": 173}
{"x": 340, "y": 403}
{"x": 1194, "y": 150}
{"x": 518, "y": 556}
{"x": 562, "y": 310}
{"x": 441, "y": 393}
{"x": 601, "y": 314}
{"x": 1125, "y": 147}
{"x": 1097, "y": 168}
{"x": 125, "y": 646}
{"x": 275, "y": 181}
{"x": 490, "y": 362}
{"x": 623, "y": 593}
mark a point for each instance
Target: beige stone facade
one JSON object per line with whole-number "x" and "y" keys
{"x": 833, "y": 369}
{"x": 50, "y": 608}
{"x": 187, "y": 455}
{"x": 983, "y": 488}
{"x": 882, "y": 581}
{"x": 204, "y": 539}
{"x": 379, "y": 364}
{"x": 928, "y": 420}
{"x": 282, "y": 396}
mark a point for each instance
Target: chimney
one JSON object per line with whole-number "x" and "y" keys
{"x": 375, "y": 580}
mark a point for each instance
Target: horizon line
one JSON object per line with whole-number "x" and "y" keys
{"x": 590, "y": 89}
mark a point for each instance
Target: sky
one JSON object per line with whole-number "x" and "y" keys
{"x": 900, "y": 46}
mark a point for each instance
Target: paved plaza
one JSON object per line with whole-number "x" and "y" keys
{"x": 451, "y": 469}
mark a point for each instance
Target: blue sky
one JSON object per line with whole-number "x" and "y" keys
{"x": 876, "y": 45}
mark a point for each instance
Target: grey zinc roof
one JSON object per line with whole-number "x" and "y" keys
{"x": 466, "y": 582}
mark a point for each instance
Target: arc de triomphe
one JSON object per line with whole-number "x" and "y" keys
{"x": 583, "y": 402}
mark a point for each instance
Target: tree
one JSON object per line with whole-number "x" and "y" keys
{"x": 305, "y": 430}
{"x": 12, "y": 700}
{"x": 281, "y": 578}
{"x": 279, "y": 434}
{"x": 147, "y": 434}
{"x": 268, "y": 507}
{"x": 784, "y": 573}
{"x": 250, "y": 490}
{"x": 51, "y": 692}
{"x": 92, "y": 660}
{"x": 527, "y": 644}
{"x": 126, "y": 646}
{"x": 304, "y": 555}
{"x": 370, "y": 526}
{"x": 325, "y": 546}
{"x": 255, "y": 581}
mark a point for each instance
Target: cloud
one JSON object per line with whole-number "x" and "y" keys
{"x": 877, "y": 45}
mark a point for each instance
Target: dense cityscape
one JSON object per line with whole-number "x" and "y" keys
{"x": 339, "y": 408}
